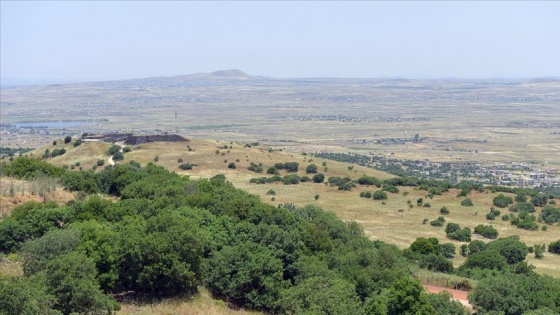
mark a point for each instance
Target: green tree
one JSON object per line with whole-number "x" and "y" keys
{"x": 321, "y": 295}
{"x": 554, "y": 247}
{"x": 379, "y": 195}
{"x": 502, "y": 201}
{"x": 118, "y": 156}
{"x": 67, "y": 139}
{"x": 113, "y": 149}
{"x": 311, "y": 169}
{"x": 248, "y": 274}
{"x": 467, "y": 202}
{"x": 71, "y": 279}
{"x": 539, "y": 200}
{"x": 26, "y": 296}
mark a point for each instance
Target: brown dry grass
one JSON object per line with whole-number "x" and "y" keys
{"x": 200, "y": 304}
{"x": 380, "y": 221}
{"x": 14, "y": 192}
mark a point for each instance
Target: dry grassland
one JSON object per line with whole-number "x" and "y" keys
{"x": 200, "y": 304}
{"x": 380, "y": 221}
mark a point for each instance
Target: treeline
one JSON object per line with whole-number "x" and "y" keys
{"x": 550, "y": 192}
{"x": 167, "y": 235}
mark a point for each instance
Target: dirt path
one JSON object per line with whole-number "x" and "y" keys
{"x": 120, "y": 144}
{"x": 458, "y": 295}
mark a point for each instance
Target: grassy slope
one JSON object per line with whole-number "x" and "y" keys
{"x": 383, "y": 222}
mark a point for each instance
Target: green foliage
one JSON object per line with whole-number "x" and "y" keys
{"x": 113, "y": 149}
{"x": 391, "y": 189}
{"x": 487, "y": 231}
{"x": 36, "y": 253}
{"x": 80, "y": 181}
{"x": 522, "y": 206}
{"x": 444, "y": 210}
{"x": 187, "y": 166}
{"x": 539, "y": 200}
{"x": 127, "y": 149}
{"x": 272, "y": 171}
{"x": 510, "y": 248}
{"x": 467, "y": 202}
{"x": 554, "y": 247}
{"x": 290, "y": 167}
{"x": 463, "y": 235}
{"x": 502, "y": 201}
{"x": 67, "y": 139}
{"x": 26, "y": 296}
{"x": 100, "y": 162}
{"x": 379, "y": 195}
{"x": 118, "y": 156}
{"x": 291, "y": 179}
{"x": 551, "y": 214}
{"x": 321, "y": 295}
{"x": 318, "y": 178}
{"x": 311, "y": 169}
{"x": 232, "y": 166}
{"x": 255, "y": 168}
{"x": 492, "y": 214}
{"x": 28, "y": 168}
{"x": 71, "y": 279}
{"x": 516, "y": 294}
{"x": 369, "y": 180}
{"x": 77, "y": 143}
{"x": 249, "y": 274}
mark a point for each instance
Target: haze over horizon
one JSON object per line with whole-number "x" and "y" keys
{"x": 56, "y": 42}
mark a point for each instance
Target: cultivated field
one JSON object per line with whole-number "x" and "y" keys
{"x": 457, "y": 120}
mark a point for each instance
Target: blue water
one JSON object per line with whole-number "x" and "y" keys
{"x": 53, "y": 124}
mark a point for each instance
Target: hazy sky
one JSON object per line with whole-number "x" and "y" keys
{"x": 119, "y": 40}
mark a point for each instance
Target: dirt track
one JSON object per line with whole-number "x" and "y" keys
{"x": 458, "y": 295}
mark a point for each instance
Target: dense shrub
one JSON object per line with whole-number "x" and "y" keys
{"x": 467, "y": 203}
{"x": 502, "y": 201}
{"x": 444, "y": 210}
{"x": 554, "y": 247}
{"x": 379, "y": 195}
{"x": 318, "y": 178}
{"x": 187, "y": 166}
{"x": 487, "y": 231}
{"x": 311, "y": 169}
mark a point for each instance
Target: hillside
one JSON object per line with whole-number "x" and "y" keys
{"x": 391, "y": 220}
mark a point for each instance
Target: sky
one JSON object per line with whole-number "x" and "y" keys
{"x": 102, "y": 40}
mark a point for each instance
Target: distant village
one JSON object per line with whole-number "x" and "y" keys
{"x": 516, "y": 174}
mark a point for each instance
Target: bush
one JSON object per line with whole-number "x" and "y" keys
{"x": 318, "y": 178}
{"x": 452, "y": 227}
{"x": 487, "y": 231}
{"x": 77, "y": 143}
{"x": 271, "y": 192}
{"x": 67, "y": 139}
{"x": 523, "y": 206}
{"x": 463, "y": 235}
{"x": 436, "y": 263}
{"x": 113, "y": 149}
{"x": 127, "y": 149}
{"x": 502, "y": 201}
{"x": 232, "y": 166}
{"x": 391, "y": 189}
{"x": 436, "y": 223}
{"x": 539, "y": 200}
{"x": 291, "y": 179}
{"x": 118, "y": 156}
{"x": 272, "y": 171}
{"x": 444, "y": 210}
{"x": 255, "y": 168}
{"x": 187, "y": 166}
{"x": 379, "y": 195}
{"x": 100, "y": 162}
{"x": 467, "y": 202}
{"x": 311, "y": 169}
{"x": 554, "y": 247}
